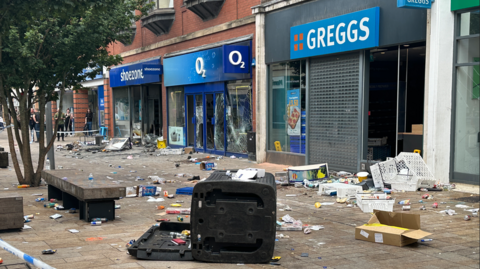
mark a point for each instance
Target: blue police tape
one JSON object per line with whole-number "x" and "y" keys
{"x": 4, "y": 245}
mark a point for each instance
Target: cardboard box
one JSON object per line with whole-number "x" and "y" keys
{"x": 188, "y": 150}
{"x": 394, "y": 236}
{"x": 417, "y": 128}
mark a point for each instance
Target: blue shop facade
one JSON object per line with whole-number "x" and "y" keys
{"x": 210, "y": 98}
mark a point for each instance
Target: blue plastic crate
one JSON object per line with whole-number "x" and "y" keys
{"x": 185, "y": 191}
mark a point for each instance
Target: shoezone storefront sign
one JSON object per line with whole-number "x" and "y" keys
{"x": 136, "y": 74}
{"x": 229, "y": 62}
{"x": 353, "y": 31}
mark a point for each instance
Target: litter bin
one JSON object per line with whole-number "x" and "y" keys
{"x": 98, "y": 140}
{"x": 3, "y": 159}
{"x": 234, "y": 220}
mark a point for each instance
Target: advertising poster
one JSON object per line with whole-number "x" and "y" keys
{"x": 175, "y": 135}
{"x": 294, "y": 113}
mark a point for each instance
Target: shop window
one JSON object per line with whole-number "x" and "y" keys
{"x": 466, "y": 99}
{"x": 176, "y": 117}
{"x": 122, "y": 112}
{"x": 239, "y": 114}
{"x": 286, "y": 109}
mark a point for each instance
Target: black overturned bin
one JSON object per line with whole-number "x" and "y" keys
{"x": 233, "y": 221}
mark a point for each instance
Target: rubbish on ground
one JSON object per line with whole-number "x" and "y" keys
{"x": 246, "y": 174}
{"x": 423, "y": 207}
{"x": 307, "y": 231}
{"x": 426, "y": 240}
{"x": 420, "y": 201}
{"x": 290, "y": 224}
{"x": 207, "y": 166}
{"x": 182, "y": 211}
{"x": 304, "y": 255}
{"x": 59, "y": 207}
{"x": 49, "y": 251}
{"x": 1, "y": 260}
{"x": 117, "y": 144}
{"x": 160, "y": 207}
{"x": 287, "y": 208}
{"x": 151, "y": 199}
{"x": 449, "y": 212}
{"x": 184, "y": 191}
{"x": 23, "y": 186}
{"x": 435, "y": 205}
{"x": 118, "y": 206}
{"x": 149, "y": 191}
{"x": 376, "y": 231}
{"x": 317, "y": 227}
{"x": 430, "y": 197}
{"x": 162, "y": 220}
{"x": 342, "y": 190}
{"x": 94, "y": 239}
{"x": 179, "y": 201}
{"x": 100, "y": 219}
{"x": 129, "y": 244}
{"x": 406, "y": 208}
{"x": 362, "y": 176}
{"x": 156, "y": 179}
{"x": 379, "y": 201}
{"x": 467, "y": 217}
{"x": 342, "y": 200}
{"x": 40, "y": 199}
{"x": 130, "y": 157}
{"x": 74, "y": 231}
{"x": 25, "y": 227}
{"x": 425, "y": 196}
{"x": 180, "y": 218}
{"x": 291, "y": 195}
{"x": 167, "y": 151}
{"x": 404, "y": 202}
{"x": 328, "y": 203}
{"x": 462, "y": 206}
{"x": 37, "y": 194}
{"x": 176, "y": 205}
{"x": 56, "y": 216}
{"x": 309, "y": 172}
{"x": 275, "y": 263}
{"x": 96, "y": 223}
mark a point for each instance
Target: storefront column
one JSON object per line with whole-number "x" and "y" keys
{"x": 260, "y": 87}
{"x": 109, "y": 114}
{"x": 438, "y": 91}
{"x": 80, "y": 106}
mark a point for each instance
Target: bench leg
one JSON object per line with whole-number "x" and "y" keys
{"x": 97, "y": 209}
{"x": 70, "y": 201}
{"x": 54, "y": 193}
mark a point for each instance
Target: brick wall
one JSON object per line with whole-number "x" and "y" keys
{"x": 109, "y": 106}
{"x": 80, "y": 106}
{"x": 187, "y": 22}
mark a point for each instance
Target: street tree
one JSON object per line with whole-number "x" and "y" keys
{"x": 44, "y": 47}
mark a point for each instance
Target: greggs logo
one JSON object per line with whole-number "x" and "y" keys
{"x": 358, "y": 30}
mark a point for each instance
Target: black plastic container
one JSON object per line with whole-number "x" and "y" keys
{"x": 233, "y": 221}
{"x": 156, "y": 244}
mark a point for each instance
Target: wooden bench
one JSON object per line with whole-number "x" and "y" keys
{"x": 93, "y": 199}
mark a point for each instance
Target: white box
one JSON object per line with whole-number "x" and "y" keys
{"x": 343, "y": 190}
{"x": 170, "y": 152}
{"x": 380, "y": 202}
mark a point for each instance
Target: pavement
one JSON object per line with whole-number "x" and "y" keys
{"x": 455, "y": 242}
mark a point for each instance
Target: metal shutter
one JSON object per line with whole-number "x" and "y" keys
{"x": 334, "y": 122}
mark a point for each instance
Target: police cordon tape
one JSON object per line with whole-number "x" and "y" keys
{"x": 74, "y": 132}
{"x": 4, "y": 245}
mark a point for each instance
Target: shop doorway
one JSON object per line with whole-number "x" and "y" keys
{"x": 152, "y": 119}
{"x": 395, "y": 100}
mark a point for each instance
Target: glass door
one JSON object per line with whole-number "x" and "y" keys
{"x": 215, "y": 123}
{"x": 199, "y": 123}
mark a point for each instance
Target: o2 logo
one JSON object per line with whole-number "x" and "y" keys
{"x": 200, "y": 66}
{"x": 239, "y": 59}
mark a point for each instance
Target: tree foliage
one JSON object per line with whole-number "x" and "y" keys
{"x": 45, "y": 45}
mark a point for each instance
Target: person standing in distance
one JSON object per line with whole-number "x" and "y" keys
{"x": 60, "y": 116}
{"x": 88, "y": 121}
{"x": 36, "y": 118}
{"x": 68, "y": 122}
{"x": 31, "y": 124}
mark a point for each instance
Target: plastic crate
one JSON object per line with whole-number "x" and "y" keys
{"x": 185, "y": 191}
{"x": 234, "y": 220}
{"x": 343, "y": 190}
{"x": 416, "y": 163}
{"x": 380, "y": 202}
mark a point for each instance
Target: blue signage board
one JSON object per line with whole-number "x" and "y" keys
{"x": 202, "y": 67}
{"x": 419, "y": 4}
{"x": 136, "y": 74}
{"x": 236, "y": 59}
{"x": 101, "y": 99}
{"x": 353, "y": 31}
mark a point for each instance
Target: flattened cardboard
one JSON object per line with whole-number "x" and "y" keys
{"x": 389, "y": 235}
{"x": 188, "y": 150}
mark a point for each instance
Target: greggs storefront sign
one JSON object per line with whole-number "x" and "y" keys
{"x": 353, "y": 31}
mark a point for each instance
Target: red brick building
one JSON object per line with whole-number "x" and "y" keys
{"x": 183, "y": 106}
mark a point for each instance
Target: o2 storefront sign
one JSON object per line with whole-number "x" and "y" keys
{"x": 136, "y": 74}
{"x": 230, "y": 62}
{"x": 418, "y": 4}
{"x": 353, "y": 31}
